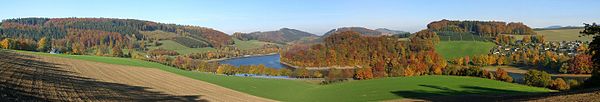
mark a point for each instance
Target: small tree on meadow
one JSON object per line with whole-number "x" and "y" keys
{"x": 560, "y": 84}
{"x": 538, "y": 78}
{"x": 502, "y": 75}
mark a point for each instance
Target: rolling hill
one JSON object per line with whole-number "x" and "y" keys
{"x": 386, "y": 31}
{"x": 281, "y": 36}
{"x": 361, "y": 30}
{"x": 563, "y": 34}
{"x": 300, "y": 91}
{"x": 59, "y": 28}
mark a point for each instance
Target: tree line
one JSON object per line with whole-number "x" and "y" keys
{"x": 58, "y": 28}
{"x": 483, "y": 28}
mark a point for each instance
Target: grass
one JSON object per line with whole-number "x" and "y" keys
{"x": 455, "y": 49}
{"x": 159, "y": 34}
{"x": 172, "y": 45}
{"x": 364, "y": 90}
{"x": 563, "y": 35}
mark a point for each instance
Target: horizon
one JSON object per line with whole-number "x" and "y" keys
{"x": 315, "y": 17}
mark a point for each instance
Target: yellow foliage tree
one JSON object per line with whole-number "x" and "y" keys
{"x": 7, "y": 43}
{"x": 43, "y": 45}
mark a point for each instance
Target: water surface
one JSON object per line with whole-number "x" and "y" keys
{"x": 271, "y": 61}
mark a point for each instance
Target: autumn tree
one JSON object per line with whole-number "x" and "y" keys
{"x": 560, "y": 84}
{"x": 117, "y": 52}
{"x": 580, "y": 64}
{"x": 43, "y": 45}
{"x": 502, "y": 75}
{"x": 285, "y": 72}
{"x": 364, "y": 73}
{"x": 594, "y": 51}
{"x": 537, "y": 78}
{"x": 301, "y": 72}
{"x": 8, "y": 43}
{"x": 77, "y": 49}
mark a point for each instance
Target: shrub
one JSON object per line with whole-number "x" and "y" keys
{"x": 452, "y": 70}
{"x": 364, "y": 73}
{"x": 503, "y": 75}
{"x": 317, "y": 74}
{"x": 573, "y": 83}
{"x": 285, "y": 72}
{"x": 560, "y": 84}
{"x": 160, "y": 51}
{"x": 537, "y": 78}
{"x": 475, "y": 72}
{"x": 328, "y": 81}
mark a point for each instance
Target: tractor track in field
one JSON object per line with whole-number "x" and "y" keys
{"x": 26, "y": 77}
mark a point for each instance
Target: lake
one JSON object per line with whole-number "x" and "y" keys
{"x": 271, "y": 61}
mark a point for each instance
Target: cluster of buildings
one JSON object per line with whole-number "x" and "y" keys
{"x": 569, "y": 48}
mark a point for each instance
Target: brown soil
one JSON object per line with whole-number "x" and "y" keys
{"x": 38, "y": 78}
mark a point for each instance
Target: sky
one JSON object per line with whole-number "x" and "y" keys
{"x": 314, "y": 16}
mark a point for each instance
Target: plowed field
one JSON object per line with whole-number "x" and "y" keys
{"x": 26, "y": 77}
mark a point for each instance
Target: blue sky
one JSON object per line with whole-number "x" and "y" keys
{"x": 315, "y": 16}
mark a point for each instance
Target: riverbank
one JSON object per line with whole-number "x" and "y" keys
{"x": 243, "y": 56}
{"x": 319, "y": 68}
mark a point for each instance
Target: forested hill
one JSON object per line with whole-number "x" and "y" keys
{"x": 58, "y": 28}
{"x": 361, "y": 30}
{"x": 282, "y": 36}
{"x": 482, "y": 28}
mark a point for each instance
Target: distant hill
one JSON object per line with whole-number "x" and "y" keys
{"x": 386, "y": 31}
{"x": 483, "y": 28}
{"x": 363, "y": 31}
{"x": 477, "y": 30}
{"x": 58, "y": 28}
{"x": 281, "y": 36}
{"x": 563, "y": 34}
{"x": 557, "y": 27}
{"x": 553, "y": 27}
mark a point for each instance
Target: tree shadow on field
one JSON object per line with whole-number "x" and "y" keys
{"x": 23, "y": 78}
{"x": 471, "y": 93}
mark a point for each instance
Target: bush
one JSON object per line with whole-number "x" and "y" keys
{"x": 503, "y": 75}
{"x": 538, "y": 78}
{"x": 560, "y": 84}
{"x": 160, "y": 51}
{"x": 573, "y": 83}
{"x": 363, "y": 73}
{"x": 331, "y": 81}
{"x": 452, "y": 70}
{"x": 475, "y": 72}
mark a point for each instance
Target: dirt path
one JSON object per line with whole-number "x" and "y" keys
{"x": 63, "y": 79}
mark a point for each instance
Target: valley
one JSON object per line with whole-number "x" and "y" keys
{"x": 299, "y": 51}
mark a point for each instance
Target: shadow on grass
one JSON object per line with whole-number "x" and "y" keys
{"x": 471, "y": 93}
{"x": 23, "y": 78}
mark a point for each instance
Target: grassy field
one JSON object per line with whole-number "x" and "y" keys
{"x": 172, "y": 45}
{"x": 563, "y": 35}
{"x": 158, "y": 34}
{"x": 455, "y": 49}
{"x": 365, "y": 90}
